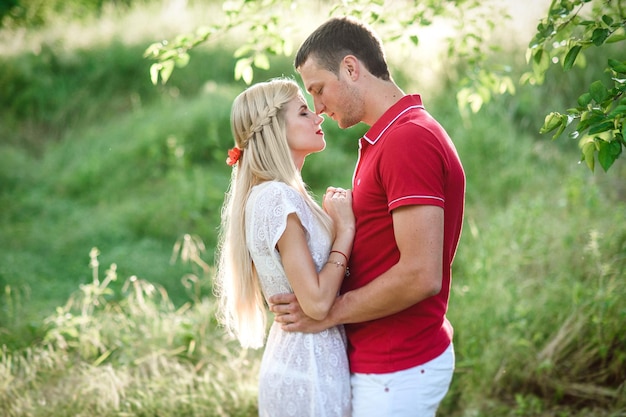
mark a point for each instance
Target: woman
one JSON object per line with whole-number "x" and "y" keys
{"x": 275, "y": 238}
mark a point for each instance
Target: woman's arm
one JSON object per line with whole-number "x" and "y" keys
{"x": 419, "y": 235}
{"x": 317, "y": 292}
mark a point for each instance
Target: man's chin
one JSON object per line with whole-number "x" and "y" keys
{"x": 345, "y": 124}
{"x": 342, "y": 123}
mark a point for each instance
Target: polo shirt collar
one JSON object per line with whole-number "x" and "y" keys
{"x": 403, "y": 105}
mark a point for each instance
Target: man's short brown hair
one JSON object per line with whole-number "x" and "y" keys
{"x": 339, "y": 37}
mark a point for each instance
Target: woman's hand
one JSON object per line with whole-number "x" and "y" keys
{"x": 337, "y": 202}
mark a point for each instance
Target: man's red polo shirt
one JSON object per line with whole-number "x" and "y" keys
{"x": 405, "y": 158}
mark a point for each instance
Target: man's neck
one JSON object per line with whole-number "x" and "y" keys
{"x": 379, "y": 97}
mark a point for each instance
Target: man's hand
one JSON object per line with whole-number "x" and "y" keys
{"x": 287, "y": 312}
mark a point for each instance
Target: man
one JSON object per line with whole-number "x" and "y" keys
{"x": 408, "y": 199}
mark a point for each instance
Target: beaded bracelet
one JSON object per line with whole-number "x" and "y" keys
{"x": 338, "y": 264}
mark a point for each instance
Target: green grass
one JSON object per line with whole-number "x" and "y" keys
{"x": 93, "y": 155}
{"x": 138, "y": 355}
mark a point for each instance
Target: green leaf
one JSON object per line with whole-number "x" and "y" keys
{"x": 608, "y": 20}
{"x": 168, "y": 54}
{"x": 559, "y": 130}
{"x": 243, "y": 70}
{"x": 551, "y": 122}
{"x": 598, "y": 91}
{"x": 617, "y": 66}
{"x": 584, "y": 123}
{"x": 546, "y": 30}
{"x": 182, "y": 60}
{"x": 618, "y": 111}
{"x": 240, "y": 66}
{"x": 617, "y": 36}
{"x": 602, "y": 127}
{"x": 584, "y": 100}
{"x": 570, "y": 58}
{"x": 536, "y": 41}
{"x": 166, "y": 70}
{"x": 588, "y": 149}
{"x": 261, "y": 61}
{"x": 153, "y": 50}
{"x": 538, "y": 55}
{"x": 541, "y": 65}
{"x": 475, "y": 102}
{"x": 154, "y": 73}
{"x": 595, "y": 116}
{"x": 608, "y": 152}
{"x": 242, "y": 50}
{"x": 599, "y": 36}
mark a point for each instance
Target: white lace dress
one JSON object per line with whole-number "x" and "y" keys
{"x": 303, "y": 375}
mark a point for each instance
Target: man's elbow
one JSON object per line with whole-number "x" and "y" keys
{"x": 433, "y": 288}
{"x": 430, "y": 284}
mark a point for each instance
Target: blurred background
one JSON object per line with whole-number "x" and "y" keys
{"x": 110, "y": 196}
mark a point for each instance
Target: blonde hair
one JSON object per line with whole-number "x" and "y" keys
{"x": 259, "y": 129}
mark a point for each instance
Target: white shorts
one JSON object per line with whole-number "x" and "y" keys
{"x": 413, "y": 392}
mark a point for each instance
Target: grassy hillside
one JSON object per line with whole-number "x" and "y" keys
{"x": 93, "y": 155}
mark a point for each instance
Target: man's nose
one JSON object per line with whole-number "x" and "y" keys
{"x": 319, "y": 107}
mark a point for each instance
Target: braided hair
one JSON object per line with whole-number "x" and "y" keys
{"x": 259, "y": 129}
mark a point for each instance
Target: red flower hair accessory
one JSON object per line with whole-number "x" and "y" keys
{"x": 233, "y": 156}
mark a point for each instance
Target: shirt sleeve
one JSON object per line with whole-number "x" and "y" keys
{"x": 412, "y": 168}
{"x": 268, "y": 217}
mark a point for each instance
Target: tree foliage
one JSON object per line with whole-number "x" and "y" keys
{"x": 570, "y": 27}
{"x": 35, "y": 13}
{"x": 269, "y": 26}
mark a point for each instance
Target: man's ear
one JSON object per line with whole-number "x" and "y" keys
{"x": 352, "y": 66}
